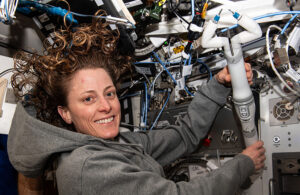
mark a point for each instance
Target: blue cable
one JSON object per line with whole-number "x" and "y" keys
{"x": 7, "y": 15}
{"x": 146, "y": 105}
{"x": 187, "y": 90}
{"x": 264, "y": 16}
{"x": 190, "y": 60}
{"x": 161, "y": 62}
{"x": 207, "y": 68}
{"x": 142, "y": 110}
{"x": 193, "y": 8}
{"x": 288, "y": 23}
{"x": 184, "y": 62}
{"x": 49, "y": 9}
{"x": 162, "y": 109}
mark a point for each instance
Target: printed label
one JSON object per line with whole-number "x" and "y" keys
{"x": 187, "y": 70}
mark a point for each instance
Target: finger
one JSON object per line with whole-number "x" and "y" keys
{"x": 247, "y": 66}
{"x": 258, "y": 144}
{"x": 249, "y": 75}
{"x": 227, "y": 78}
{"x": 260, "y": 166}
{"x": 221, "y": 77}
{"x": 261, "y": 151}
{"x": 250, "y": 82}
{"x": 262, "y": 160}
{"x": 226, "y": 70}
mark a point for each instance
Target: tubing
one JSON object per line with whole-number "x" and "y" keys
{"x": 264, "y": 16}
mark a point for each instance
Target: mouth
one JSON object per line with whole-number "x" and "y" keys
{"x": 105, "y": 121}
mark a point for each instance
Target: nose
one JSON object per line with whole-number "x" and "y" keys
{"x": 104, "y": 105}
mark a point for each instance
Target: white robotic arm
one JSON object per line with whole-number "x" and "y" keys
{"x": 242, "y": 95}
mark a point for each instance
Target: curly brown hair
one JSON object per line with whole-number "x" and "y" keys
{"x": 45, "y": 79}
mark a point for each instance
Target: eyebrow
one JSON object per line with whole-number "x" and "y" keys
{"x": 110, "y": 86}
{"x": 92, "y": 91}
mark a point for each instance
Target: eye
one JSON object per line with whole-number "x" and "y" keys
{"x": 111, "y": 94}
{"x": 88, "y": 99}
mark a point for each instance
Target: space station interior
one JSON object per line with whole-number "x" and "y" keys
{"x": 178, "y": 45}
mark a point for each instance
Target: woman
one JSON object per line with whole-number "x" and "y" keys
{"x": 74, "y": 87}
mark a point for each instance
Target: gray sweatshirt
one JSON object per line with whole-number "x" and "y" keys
{"x": 89, "y": 165}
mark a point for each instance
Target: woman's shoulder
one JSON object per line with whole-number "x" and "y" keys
{"x": 83, "y": 156}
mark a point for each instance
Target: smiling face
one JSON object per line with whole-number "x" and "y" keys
{"x": 92, "y": 104}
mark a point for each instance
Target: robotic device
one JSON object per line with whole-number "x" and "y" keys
{"x": 178, "y": 46}
{"x": 242, "y": 95}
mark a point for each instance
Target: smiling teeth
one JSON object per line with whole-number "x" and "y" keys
{"x": 103, "y": 121}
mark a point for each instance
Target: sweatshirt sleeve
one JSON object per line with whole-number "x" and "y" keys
{"x": 169, "y": 144}
{"x": 114, "y": 174}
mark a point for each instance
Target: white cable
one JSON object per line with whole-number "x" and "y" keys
{"x": 8, "y": 9}
{"x": 271, "y": 60}
{"x": 153, "y": 82}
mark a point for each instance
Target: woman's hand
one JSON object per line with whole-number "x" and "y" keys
{"x": 224, "y": 77}
{"x": 257, "y": 153}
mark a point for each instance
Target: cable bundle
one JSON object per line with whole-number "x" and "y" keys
{"x": 8, "y": 10}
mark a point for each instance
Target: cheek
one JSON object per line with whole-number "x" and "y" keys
{"x": 117, "y": 107}
{"x": 81, "y": 115}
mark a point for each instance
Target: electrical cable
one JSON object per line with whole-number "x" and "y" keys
{"x": 263, "y": 16}
{"x": 6, "y": 71}
{"x": 7, "y": 14}
{"x": 172, "y": 9}
{"x": 199, "y": 8}
{"x": 129, "y": 95}
{"x": 146, "y": 105}
{"x": 207, "y": 68}
{"x": 271, "y": 60}
{"x": 146, "y": 78}
{"x": 152, "y": 85}
{"x": 8, "y": 10}
{"x": 143, "y": 114}
{"x": 155, "y": 63}
{"x": 61, "y": 12}
{"x": 189, "y": 63}
{"x": 187, "y": 90}
{"x": 5, "y": 45}
{"x": 162, "y": 109}
{"x": 108, "y": 18}
{"x": 57, "y": 11}
{"x": 193, "y": 8}
{"x": 179, "y": 16}
{"x": 288, "y": 23}
{"x": 162, "y": 64}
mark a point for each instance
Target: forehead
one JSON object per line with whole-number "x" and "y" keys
{"x": 91, "y": 78}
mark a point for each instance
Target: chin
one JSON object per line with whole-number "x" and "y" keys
{"x": 109, "y": 134}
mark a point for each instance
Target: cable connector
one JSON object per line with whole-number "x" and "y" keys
{"x": 235, "y": 15}
{"x": 194, "y": 31}
{"x": 217, "y": 17}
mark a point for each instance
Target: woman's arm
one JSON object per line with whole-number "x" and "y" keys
{"x": 112, "y": 173}
{"x": 30, "y": 186}
{"x": 169, "y": 144}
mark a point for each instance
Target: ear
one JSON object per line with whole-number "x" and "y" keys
{"x": 65, "y": 114}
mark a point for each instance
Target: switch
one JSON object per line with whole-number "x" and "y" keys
{"x": 276, "y": 139}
